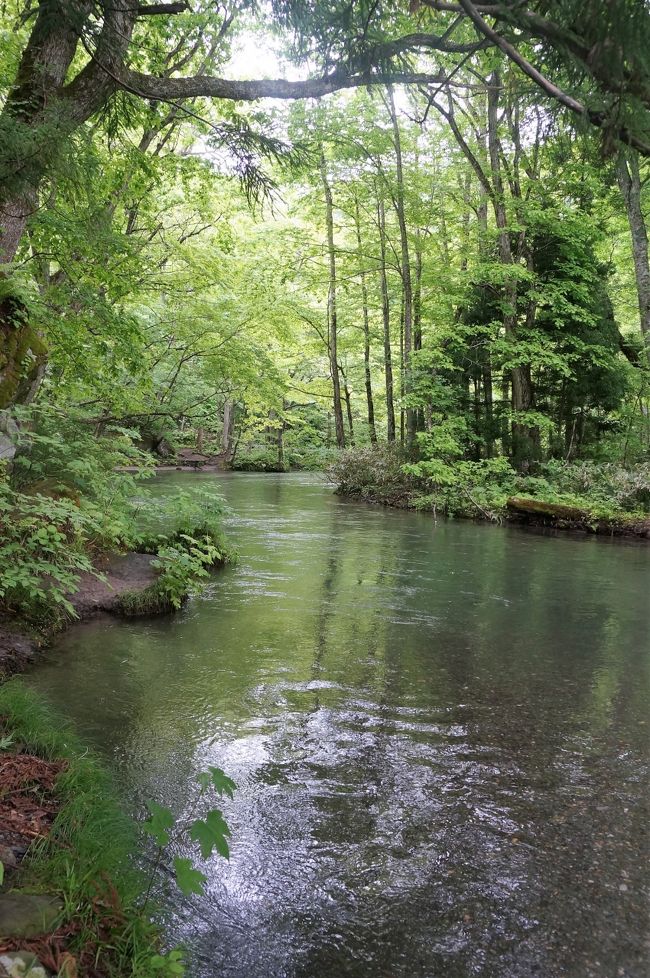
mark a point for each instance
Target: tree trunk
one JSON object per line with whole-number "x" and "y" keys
{"x": 366, "y": 331}
{"x": 406, "y": 267}
{"x": 524, "y": 438}
{"x": 226, "y": 432}
{"x": 385, "y": 312}
{"x": 488, "y": 394}
{"x": 332, "y": 323}
{"x": 37, "y": 119}
{"x": 402, "y": 414}
{"x": 629, "y": 181}
{"x": 348, "y": 404}
{"x": 280, "y": 436}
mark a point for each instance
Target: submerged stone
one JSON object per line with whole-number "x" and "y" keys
{"x": 27, "y": 914}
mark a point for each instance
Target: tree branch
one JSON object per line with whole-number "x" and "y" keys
{"x": 175, "y": 89}
{"x": 598, "y": 119}
{"x": 153, "y": 9}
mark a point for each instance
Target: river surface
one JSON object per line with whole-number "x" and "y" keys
{"x": 440, "y": 733}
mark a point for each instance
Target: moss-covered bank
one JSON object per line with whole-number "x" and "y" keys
{"x": 99, "y": 925}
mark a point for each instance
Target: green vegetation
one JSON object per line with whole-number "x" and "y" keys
{"x": 415, "y": 253}
{"x": 87, "y": 859}
{"x": 64, "y": 503}
{"x": 209, "y": 834}
{"x": 449, "y": 252}
{"x": 482, "y": 490}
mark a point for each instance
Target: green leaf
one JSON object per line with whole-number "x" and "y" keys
{"x": 211, "y": 834}
{"x": 160, "y": 823}
{"x": 219, "y": 780}
{"x": 189, "y": 879}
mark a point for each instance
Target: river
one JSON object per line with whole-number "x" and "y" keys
{"x": 440, "y": 733}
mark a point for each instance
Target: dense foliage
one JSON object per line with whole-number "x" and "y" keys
{"x": 448, "y": 254}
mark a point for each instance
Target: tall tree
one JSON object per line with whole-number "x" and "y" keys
{"x": 332, "y": 316}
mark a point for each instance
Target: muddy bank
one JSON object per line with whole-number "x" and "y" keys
{"x": 121, "y": 574}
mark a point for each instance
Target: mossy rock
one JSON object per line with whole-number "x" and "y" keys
{"x": 27, "y": 915}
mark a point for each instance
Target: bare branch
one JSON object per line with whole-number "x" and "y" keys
{"x": 154, "y": 9}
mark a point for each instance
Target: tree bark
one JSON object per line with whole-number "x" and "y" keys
{"x": 629, "y": 181}
{"x": 372, "y": 431}
{"x": 332, "y": 321}
{"x": 385, "y": 313}
{"x": 348, "y": 404}
{"x": 524, "y": 437}
{"x": 407, "y": 283}
{"x": 226, "y": 431}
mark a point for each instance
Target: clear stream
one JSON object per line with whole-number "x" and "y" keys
{"x": 440, "y": 732}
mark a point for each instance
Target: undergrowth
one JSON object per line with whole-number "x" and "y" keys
{"x": 65, "y": 501}
{"x": 450, "y": 485}
{"x": 87, "y": 858}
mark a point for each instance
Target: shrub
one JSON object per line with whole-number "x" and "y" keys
{"x": 375, "y": 473}
{"x": 64, "y": 502}
{"x": 42, "y": 553}
{"x": 610, "y": 485}
{"x": 60, "y": 456}
{"x": 258, "y": 459}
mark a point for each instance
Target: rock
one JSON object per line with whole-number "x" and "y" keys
{"x": 163, "y": 448}
{"x": 21, "y": 964}
{"x": 8, "y": 426}
{"x": 7, "y": 447}
{"x": 8, "y": 857}
{"x": 9, "y": 432}
{"x": 27, "y": 914}
{"x": 68, "y": 967}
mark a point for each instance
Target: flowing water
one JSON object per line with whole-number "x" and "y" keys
{"x": 440, "y": 733}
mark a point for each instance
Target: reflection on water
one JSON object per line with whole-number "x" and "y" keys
{"x": 440, "y": 734}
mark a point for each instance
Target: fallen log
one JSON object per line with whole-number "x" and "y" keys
{"x": 536, "y": 512}
{"x": 537, "y": 509}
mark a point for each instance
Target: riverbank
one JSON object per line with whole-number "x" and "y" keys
{"x": 134, "y": 583}
{"x": 524, "y": 512}
{"x": 71, "y": 901}
{"x": 122, "y": 576}
{"x": 604, "y": 500}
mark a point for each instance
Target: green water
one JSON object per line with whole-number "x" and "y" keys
{"x": 440, "y": 732}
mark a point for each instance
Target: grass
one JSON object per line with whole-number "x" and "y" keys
{"x": 87, "y": 858}
{"x": 153, "y": 600}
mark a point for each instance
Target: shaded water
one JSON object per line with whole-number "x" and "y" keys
{"x": 440, "y": 733}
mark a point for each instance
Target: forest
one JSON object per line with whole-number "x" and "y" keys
{"x": 456, "y": 267}
{"x": 401, "y": 243}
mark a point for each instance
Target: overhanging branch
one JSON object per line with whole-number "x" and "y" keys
{"x": 598, "y": 119}
{"x": 176, "y": 89}
{"x": 155, "y": 9}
